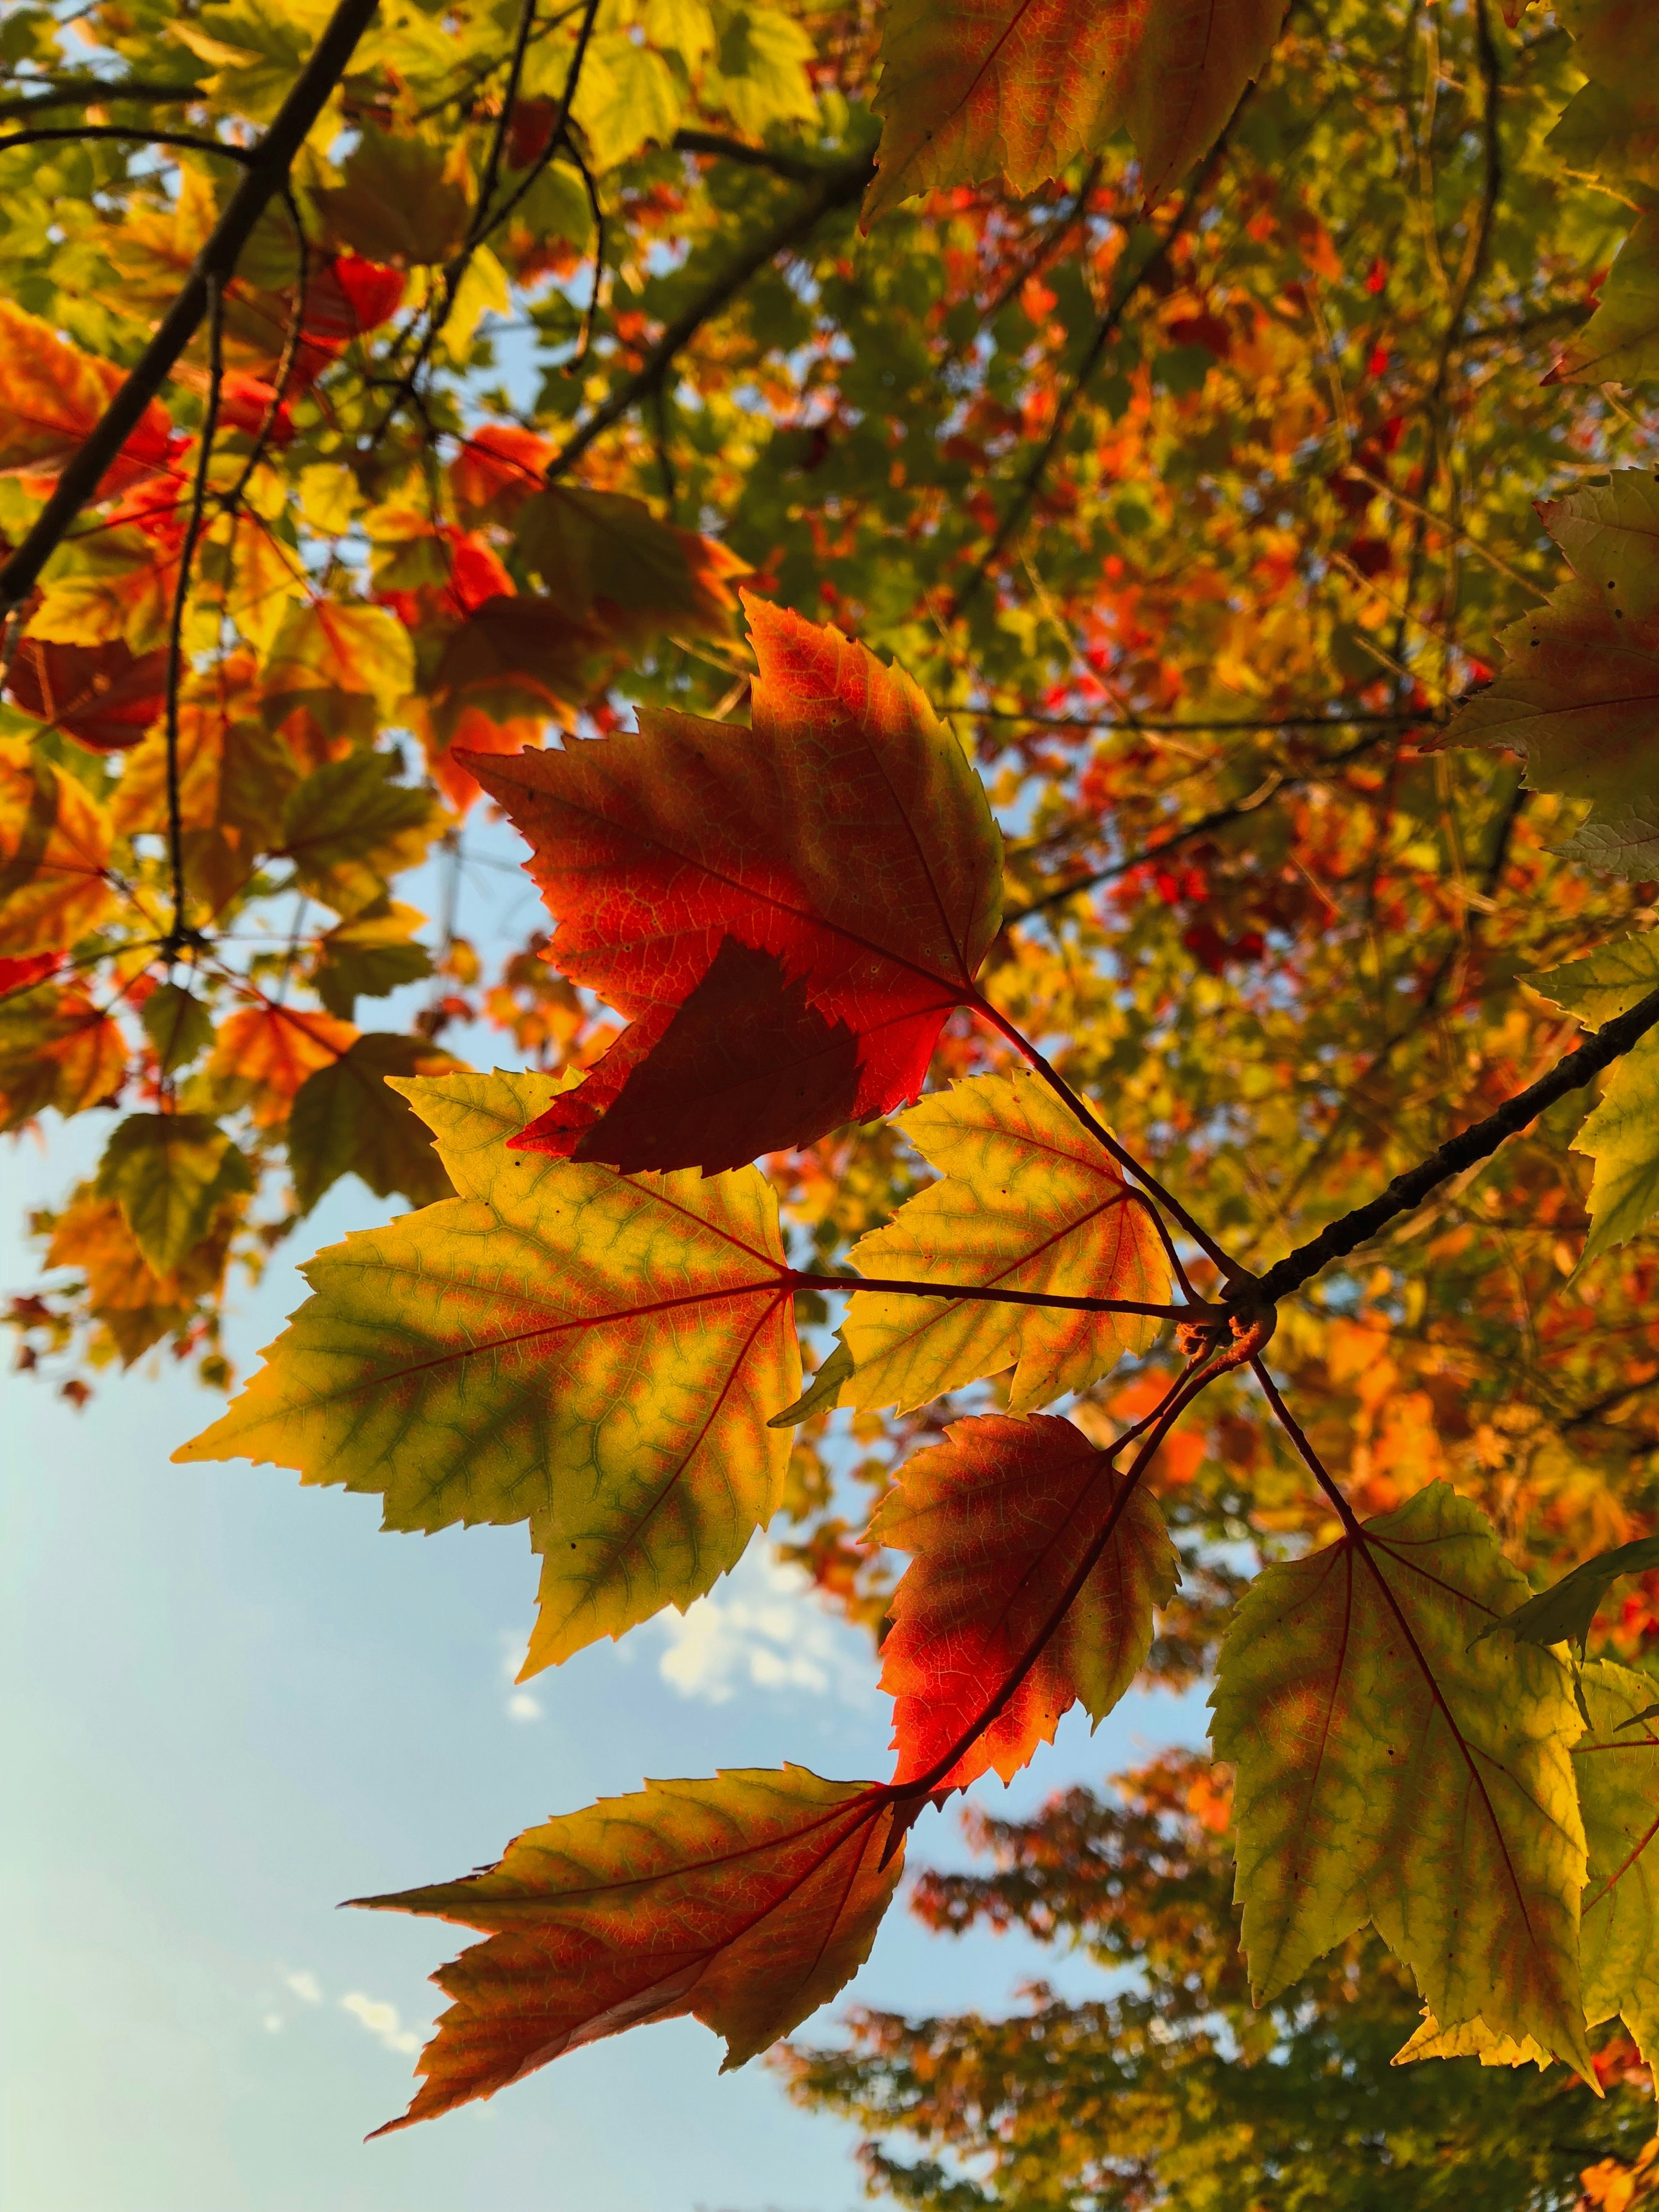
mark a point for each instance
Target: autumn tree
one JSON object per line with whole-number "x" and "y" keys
{"x": 1065, "y": 602}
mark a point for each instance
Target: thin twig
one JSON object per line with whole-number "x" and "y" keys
{"x": 193, "y": 142}
{"x": 101, "y": 92}
{"x": 990, "y": 1293}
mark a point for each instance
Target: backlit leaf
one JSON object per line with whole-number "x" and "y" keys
{"x": 605, "y": 558}
{"x": 169, "y": 1173}
{"x": 54, "y": 849}
{"x": 978, "y": 88}
{"x": 58, "y": 1049}
{"x": 1617, "y": 1771}
{"x": 104, "y": 696}
{"x": 763, "y": 1064}
{"x": 1578, "y": 693}
{"x": 52, "y": 397}
{"x": 347, "y": 1120}
{"x": 177, "y": 1024}
{"x": 845, "y": 833}
{"x": 746, "y": 1901}
{"x": 400, "y": 200}
{"x": 373, "y": 954}
{"x": 351, "y": 826}
{"x": 1622, "y": 1135}
{"x": 1029, "y": 1200}
{"x": 1620, "y": 342}
{"x": 1374, "y": 1737}
{"x": 559, "y": 1344}
{"x": 348, "y": 665}
{"x": 136, "y": 1305}
{"x": 1000, "y": 1519}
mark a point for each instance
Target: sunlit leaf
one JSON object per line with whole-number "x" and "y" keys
{"x": 746, "y": 1901}
{"x": 351, "y": 826}
{"x": 54, "y": 849}
{"x": 1618, "y": 1772}
{"x": 1373, "y": 1736}
{"x": 845, "y": 834}
{"x": 1001, "y": 1519}
{"x": 1029, "y": 1200}
{"x": 177, "y": 1024}
{"x": 559, "y": 1344}
{"x": 169, "y": 1173}
{"x": 52, "y": 396}
{"x": 369, "y": 955}
{"x": 980, "y": 88}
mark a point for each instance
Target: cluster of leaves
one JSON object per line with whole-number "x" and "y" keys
{"x": 1194, "y": 482}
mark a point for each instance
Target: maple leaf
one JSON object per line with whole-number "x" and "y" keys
{"x": 606, "y": 559}
{"x": 1618, "y": 1793}
{"x": 104, "y": 696}
{"x": 979, "y": 89}
{"x": 351, "y": 826}
{"x": 746, "y": 1901}
{"x": 235, "y": 775}
{"x": 52, "y": 397}
{"x": 54, "y": 850}
{"x": 56, "y": 1048}
{"x": 513, "y": 658}
{"x": 267, "y": 1052}
{"x": 1470, "y": 2039}
{"x": 845, "y": 834}
{"x": 1373, "y": 1733}
{"x": 1620, "y": 342}
{"x": 1578, "y": 693}
{"x": 170, "y": 1173}
{"x": 136, "y": 1306}
{"x": 400, "y": 200}
{"x": 349, "y": 668}
{"x": 497, "y": 468}
{"x": 763, "y": 1063}
{"x": 1621, "y": 1133}
{"x": 371, "y": 954}
{"x": 1001, "y": 1518}
{"x": 177, "y": 1024}
{"x": 558, "y": 1344}
{"x": 347, "y": 1120}
{"x": 1029, "y": 1200}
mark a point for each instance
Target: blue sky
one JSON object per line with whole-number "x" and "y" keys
{"x": 234, "y": 1703}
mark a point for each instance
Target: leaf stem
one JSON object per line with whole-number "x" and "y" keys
{"x": 899, "y": 1287}
{"x": 1293, "y": 1428}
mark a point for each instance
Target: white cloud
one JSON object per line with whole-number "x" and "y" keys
{"x": 273, "y": 2023}
{"x": 305, "y": 1985}
{"x": 762, "y": 1629}
{"x": 380, "y": 2020}
{"x": 519, "y": 1705}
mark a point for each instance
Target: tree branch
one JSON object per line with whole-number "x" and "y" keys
{"x": 1407, "y": 1192}
{"x": 195, "y": 141}
{"x": 833, "y": 188}
{"x": 216, "y": 263}
{"x": 794, "y": 168}
{"x": 99, "y": 92}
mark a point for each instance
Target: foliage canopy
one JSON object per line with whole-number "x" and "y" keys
{"x": 986, "y": 552}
